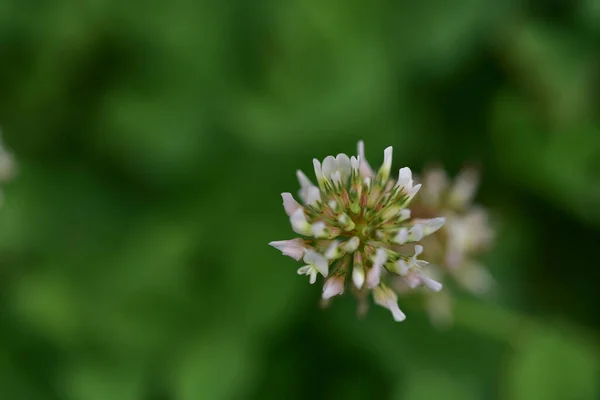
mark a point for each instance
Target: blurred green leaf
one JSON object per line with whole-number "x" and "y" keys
{"x": 214, "y": 367}
{"x": 553, "y": 364}
{"x": 100, "y": 382}
{"x": 426, "y": 385}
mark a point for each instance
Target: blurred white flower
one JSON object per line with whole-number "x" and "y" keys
{"x": 455, "y": 247}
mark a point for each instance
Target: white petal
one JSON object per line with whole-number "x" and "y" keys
{"x": 405, "y": 177}
{"x": 431, "y": 284}
{"x": 299, "y": 223}
{"x": 313, "y": 276}
{"x": 332, "y": 251}
{"x": 303, "y": 179}
{"x": 329, "y": 166}
{"x": 305, "y": 185}
{"x": 354, "y": 164}
{"x": 418, "y": 249}
{"x": 358, "y": 276}
{"x": 336, "y": 177}
{"x": 415, "y": 233}
{"x": 316, "y": 259}
{"x": 292, "y": 248}
{"x": 385, "y": 297}
{"x": 402, "y": 236}
{"x": 384, "y": 171}
{"x": 374, "y": 276}
{"x": 412, "y": 280}
{"x": 332, "y": 287}
{"x": 318, "y": 172}
{"x": 398, "y": 315}
{"x": 344, "y": 166}
{"x": 318, "y": 229}
{"x": 365, "y": 168}
{"x": 404, "y": 214}
{"x": 413, "y": 191}
{"x": 333, "y": 205}
{"x": 313, "y": 196}
{"x": 351, "y": 245}
{"x": 433, "y": 225}
{"x": 402, "y": 267}
{"x": 381, "y": 257}
{"x": 289, "y": 204}
{"x": 304, "y": 270}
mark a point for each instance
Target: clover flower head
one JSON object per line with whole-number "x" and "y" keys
{"x": 355, "y": 223}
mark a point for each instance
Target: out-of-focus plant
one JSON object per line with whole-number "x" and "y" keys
{"x": 453, "y": 250}
{"x": 7, "y": 166}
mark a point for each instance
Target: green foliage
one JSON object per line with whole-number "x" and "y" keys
{"x": 153, "y": 140}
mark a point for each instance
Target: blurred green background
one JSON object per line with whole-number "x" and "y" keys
{"x": 153, "y": 141}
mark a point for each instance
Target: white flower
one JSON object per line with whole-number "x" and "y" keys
{"x": 353, "y": 222}
{"x": 317, "y": 264}
{"x": 413, "y": 273}
{"x": 385, "y": 297}
{"x": 454, "y": 248}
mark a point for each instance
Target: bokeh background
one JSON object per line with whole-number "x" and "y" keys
{"x": 153, "y": 140}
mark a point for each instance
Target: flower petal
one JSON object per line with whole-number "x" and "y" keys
{"x": 332, "y": 287}
{"x": 292, "y": 248}
{"x": 329, "y": 166}
{"x": 365, "y": 168}
{"x": 344, "y": 166}
{"x": 290, "y": 204}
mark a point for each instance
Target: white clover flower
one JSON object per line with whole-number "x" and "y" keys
{"x": 356, "y": 223}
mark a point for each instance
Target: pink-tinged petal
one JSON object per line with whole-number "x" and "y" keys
{"x": 289, "y": 204}
{"x": 365, "y": 168}
{"x": 294, "y": 248}
{"x": 374, "y": 276}
{"x": 305, "y": 186}
{"x": 333, "y": 287}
